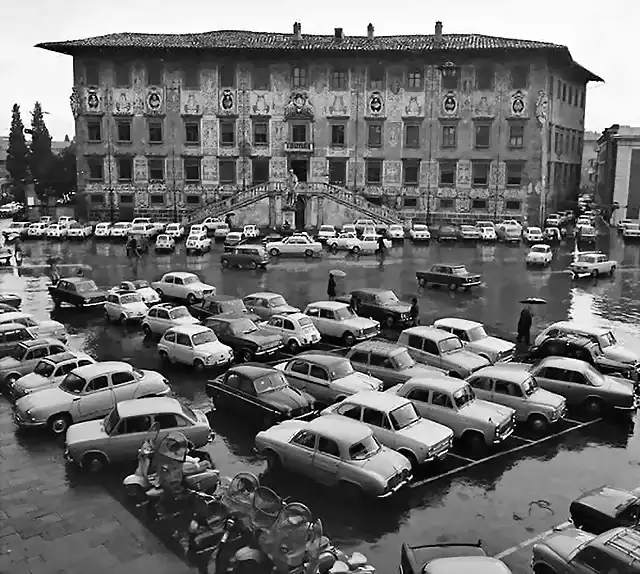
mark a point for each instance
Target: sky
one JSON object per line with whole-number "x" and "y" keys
{"x": 602, "y": 37}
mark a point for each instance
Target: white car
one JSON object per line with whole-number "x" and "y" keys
{"x": 183, "y": 286}
{"x": 369, "y": 243}
{"x": 339, "y": 321}
{"x": 221, "y": 231}
{"x": 124, "y": 306}
{"x": 345, "y": 242}
{"x": 361, "y": 224}
{"x": 164, "y": 316}
{"x": 631, "y": 231}
{"x": 164, "y": 242}
{"x": 395, "y": 232}
{"x": 553, "y": 220}
{"x": 211, "y": 222}
{"x": 198, "y": 243}
{"x": 326, "y": 232}
{"x": 533, "y": 235}
{"x": 583, "y": 221}
{"x": 475, "y": 339}
{"x": 539, "y": 254}
{"x": 147, "y": 230}
{"x": 120, "y": 230}
{"x": 66, "y": 221}
{"x": 102, "y": 230}
{"x": 487, "y": 223}
{"x": 149, "y": 296}
{"x": 348, "y": 228}
{"x": 199, "y": 228}
{"x": 507, "y": 223}
{"x": 158, "y": 227}
{"x": 15, "y": 229}
{"x": 56, "y": 231}
{"x": 37, "y": 229}
{"x": 79, "y": 230}
{"x": 233, "y": 238}
{"x": 296, "y": 329}
{"x": 175, "y": 230}
{"x": 295, "y": 245}
{"x": 139, "y": 220}
{"x": 488, "y": 233}
{"x": 194, "y": 345}
{"x": 46, "y": 328}
{"x": 251, "y": 231}
{"x": 592, "y": 263}
{"x": 420, "y": 232}
{"x": 623, "y": 223}
{"x": 370, "y": 230}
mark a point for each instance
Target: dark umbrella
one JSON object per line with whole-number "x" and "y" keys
{"x": 533, "y": 301}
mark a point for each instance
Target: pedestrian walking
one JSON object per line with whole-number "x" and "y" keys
{"x": 524, "y": 326}
{"x": 331, "y": 287}
{"x": 381, "y": 246}
{"x": 414, "y": 312}
{"x": 353, "y": 303}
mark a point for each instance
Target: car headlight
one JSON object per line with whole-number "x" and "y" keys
{"x": 197, "y": 293}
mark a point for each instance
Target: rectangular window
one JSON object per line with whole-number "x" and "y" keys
{"x": 374, "y": 135}
{"x": 339, "y": 80}
{"x": 261, "y": 78}
{"x": 227, "y": 170}
{"x": 299, "y": 132}
{"x": 516, "y": 135}
{"x": 374, "y": 171}
{"x": 123, "y": 74}
{"x": 192, "y": 132}
{"x": 299, "y": 77}
{"x": 480, "y": 173}
{"x": 478, "y": 204}
{"x": 447, "y": 203}
{"x": 155, "y": 72}
{"x": 376, "y": 78}
{"x": 448, "y": 172}
{"x": 515, "y": 172}
{"x": 155, "y": 165}
{"x": 259, "y": 170}
{"x": 228, "y": 132}
{"x": 124, "y": 131}
{"x": 567, "y": 142}
{"x": 125, "y": 169}
{"x": 157, "y": 198}
{"x": 227, "y": 75}
{"x": 338, "y": 135}
{"x": 97, "y": 198}
{"x": 412, "y": 135}
{"x": 96, "y": 168}
{"x": 92, "y": 73}
{"x": 191, "y": 169}
{"x": 94, "y": 130}
{"x": 559, "y": 94}
{"x": 582, "y": 98}
{"x": 191, "y": 76}
{"x": 450, "y": 80}
{"x": 564, "y": 92}
{"x": 260, "y": 134}
{"x": 337, "y": 171}
{"x": 570, "y": 95}
{"x": 449, "y": 136}
{"x": 411, "y": 172}
{"x": 520, "y": 77}
{"x": 484, "y": 78}
{"x": 561, "y": 142}
{"x": 414, "y": 80}
{"x": 410, "y": 202}
{"x": 482, "y": 136}
{"x": 155, "y": 131}
{"x": 512, "y": 204}
{"x": 193, "y": 199}
{"x": 126, "y": 198}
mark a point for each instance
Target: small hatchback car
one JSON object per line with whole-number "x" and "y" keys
{"x": 164, "y": 316}
{"x": 194, "y": 345}
{"x": 125, "y": 306}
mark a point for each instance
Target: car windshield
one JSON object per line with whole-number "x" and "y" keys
{"x": 243, "y": 327}
{"x": 530, "y": 386}
{"x": 130, "y": 298}
{"x": 75, "y": 226}
{"x": 539, "y": 249}
{"x": 44, "y": 369}
{"x": 420, "y": 228}
{"x": 84, "y": 286}
{"x": 402, "y": 360}
{"x": 203, "y": 338}
{"x": 278, "y": 301}
{"x": 476, "y": 333}
{"x": 73, "y": 384}
{"x": 387, "y": 297}
{"x": 607, "y": 340}
{"x": 341, "y": 369}
{"x": 448, "y": 345}
{"x": 163, "y": 238}
{"x": 586, "y": 259}
{"x": 404, "y": 416}
{"x": 587, "y": 229}
{"x": 189, "y": 413}
{"x": 270, "y": 382}
{"x": 463, "y": 396}
{"x": 179, "y": 313}
{"x": 122, "y": 225}
{"x": 111, "y": 421}
{"x": 365, "y": 448}
{"x": 327, "y": 228}
{"x": 18, "y": 352}
{"x": 190, "y": 280}
{"x": 459, "y": 271}
{"x": 344, "y": 313}
{"x": 141, "y": 284}
{"x": 596, "y": 379}
{"x": 231, "y": 306}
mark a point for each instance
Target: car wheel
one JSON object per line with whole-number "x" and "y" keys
{"x": 422, "y": 282}
{"x": 348, "y": 339}
{"x": 94, "y": 462}
{"x": 58, "y": 424}
{"x": 164, "y": 357}
{"x": 253, "y": 265}
{"x": 274, "y": 252}
{"x": 538, "y": 424}
{"x": 146, "y": 330}
{"x": 224, "y": 263}
{"x": 246, "y": 355}
{"x": 12, "y": 378}
{"x": 198, "y": 365}
{"x": 293, "y": 346}
{"x": 474, "y": 441}
{"x": 355, "y": 250}
{"x": 273, "y": 461}
{"x": 594, "y": 274}
{"x": 389, "y": 322}
{"x": 411, "y": 458}
{"x": 191, "y": 299}
{"x": 308, "y": 253}
{"x": 122, "y": 319}
{"x": 593, "y": 407}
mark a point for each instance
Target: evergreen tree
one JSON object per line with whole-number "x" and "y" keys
{"x": 63, "y": 174}
{"x": 18, "y": 156}
{"x": 41, "y": 158}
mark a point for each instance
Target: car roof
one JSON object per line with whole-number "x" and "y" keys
{"x": 101, "y": 367}
{"x": 456, "y": 564}
{"x": 564, "y": 363}
{"x": 580, "y": 327}
{"x": 292, "y": 316}
{"x": 439, "y": 383}
{"x": 77, "y": 279}
{"x": 263, "y": 295}
{"x": 505, "y": 373}
{"x": 431, "y": 332}
{"x": 253, "y": 370}
{"x": 221, "y": 298}
{"x": 180, "y": 274}
{"x": 377, "y": 400}
{"x": 457, "y": 323}
{"x": 452, "y": 265}
{"x": 39, "y": 341}
{"x": 66, "y": 356}
{"x": 339, "y": 428}
{"x": 333, "y": 305}
{"x": 377, "y": 345}
{"x": 576, "y": 338}
{"x": 168, "y": 306}
{"x": 371, "y": 290}
{"x": 189, "y": 329}
{"x": 148, "y": 406}
{"x": 319, "y": 357}
{"x": 12, "y": 327}
{"x": 14, "y": 315}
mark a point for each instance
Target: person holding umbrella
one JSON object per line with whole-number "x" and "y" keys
{"x": 331, "y": 287}
{"x": 526, "y": 320}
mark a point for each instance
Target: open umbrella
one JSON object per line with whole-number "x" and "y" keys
{"x": 533, "y": 301}
{"x": 337, "y": 273}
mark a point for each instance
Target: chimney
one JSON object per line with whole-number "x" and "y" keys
{"x": 370, "y": 31}
{"x": 338, "y": 34}
{"x": 438, "y": 34}
{"x": 297, "y": 30}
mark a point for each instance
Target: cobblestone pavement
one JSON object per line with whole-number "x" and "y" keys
{"x": 53, "y": 522}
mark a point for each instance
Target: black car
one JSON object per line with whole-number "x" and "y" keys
{"x": 260, "y": 392}
{"x": 226, "y": 305}
{"x": 446, "y": 233}
{"x": 452, "y": 276}
{"x": 455, "y": 558}
{"x": 247, "y": 340}
{"x": 77, "y": 291}
{"x": 382, "y": 305}
{"x": 605, "y": 508}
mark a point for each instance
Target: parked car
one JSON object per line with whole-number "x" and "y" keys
{"x": 12, "y": 300}
{"x": 345, "y": 242}
{"x": 265, "y": 305}
{"x": 295, "y": 245}
{"x": 120, "y": 230}
{"x": 25, "y": 357}
{"x": 296, "y": 330}
{"x": 338, "y": 320}
{"x": 395, "y": 232}
{"x": 582, "y": 221}
{"x": 488, "y": 233}
{"x": 475, "y": 339}
{"x": 509, "y": 233}
{"x": 175, "y": 230}
{"x": 469, "y": 233}
{"x": 485, "y": 223}
{"x": 226, "y": 305}
{"x": 49, "y": 371}
{"x": 622, "y": 223}
{"x": 37, "y": 230}
{"x": 451, "y": 402}
{"x": 79, "y": 230}
{"x": 586, "y": 234}
{"x": 419, "y": 232}
{"x": 164, "y": 316}
{"x": 437, "y": 348}
{"x": 449, "y": 558}
{"x": 16, "y": 229}
{"x": 38, "y": 328}
{"x": 260, "y": 393}
{"x": 552, "y": 235}
{"x": 221, "y": 231}
{"x": 388, "y": 362}
{"x": 118, "y": 437}
{"x": 605, "y": 508}
{"x": 125, "y": 306}
{"x": 539, "y": 254}
{"x": 326, "y": 232}
{"x": 382, "y": 305}
{"x": 198, "y": 243}
{"x": 182, "y": 286}
{"x": 77, "y": 291}
{"x": 249, "y": 255}
{"x": 248, "y": 341}
{"x": 446, "y": 233}
{"x": 210, "y": 223}
{"x": 532, "y": 235}
{"x": 165, "y": 243}
{"x": 361, "y": 224}
{"x": 233, "y": 238}
{"x": 146, "y": 230}
{"x": 452, "y": 276}
{"x": 11, "y": 335}
{"x": 592, "y": 264}
{"x": 149, "y": 295}
{"x": 327, "y": 377}
{"x": 251, "y": 231}
{"x": 141, "y": 220}
{"x": 359, "y": 464}
{"x": 631, "y": 232}
{"x": 56, "y": 231}
{"x": 509, "y": 223}
{"x": 87, "y": 393}
{"x": 553, "y": 220}
{"x": 194, "y": 345}
{"x": 102, "y": 231}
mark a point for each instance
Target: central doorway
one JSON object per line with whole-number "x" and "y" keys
{"x": 300, "y": 208}
{"x": 301, "y": 168}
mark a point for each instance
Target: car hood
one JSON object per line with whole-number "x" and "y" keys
{"x": 400, "y": 308}
{"x": 31, "y": 382}
{"x": 564, "y": 542}
{"x": 356, "y": 382}
{"x": 600, "y": 501}
{"x": 621, "y": 354}
{"x": 262, "y": 338}
{"x": 285, "y": 309}
{"x": 544, "y": 397}
{"x": 89, "y": 295}
{"x": 360, "y": 323}
{"x": 493, "y": 344}
{"x": 467, "y": 359}
{"x": 149, "y": 293}
{"x": 427, "y": 432}
{"x": 286, "y": 398}
{"x": 85, "y": 432}
{"x": 202, "y": 286}
{"x": 50, "y": 325}
{"x": 47, "y": 398}
{"x": 8, "y": 363}
{"x": 214, "y": 348}
{"x": 484, "y": 410}
{"x": 421, "y": 370}
{"x": 186, "y": 321}
{"x": 139, "y": 307}
{"x": 386, "y": 463}
{"x": 618, "y": 385}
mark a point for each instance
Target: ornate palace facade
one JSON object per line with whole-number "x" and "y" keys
{"x": 434, "y": 126}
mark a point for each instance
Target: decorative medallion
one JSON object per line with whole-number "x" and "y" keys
{"x": 154, "y": 100}
{"x": 413, "y": 108}
{"x": 450, "y": 104}
{"x": 541, "y": 107}
{"x": 261, "y": 107}
{"x": 375, "y": 103}
{"x": 74, "y": 102}
{"x": 517, "y": 103}
{"x": 338, "y": 107}
{"x": 192, "y": 107}
{"x": 93, "y": 101}
{"x": 123, "y": 105}
{"x": 299, "y": 107}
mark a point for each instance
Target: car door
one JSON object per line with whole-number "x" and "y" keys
{"x": 110, "y": 306}
{"x": 300, "y": 452}
{"x": 318, "y": 385}
{"x": 442, "y": 409}
{"x": 96, "y": 400}
{"x": 509, "y": 394}
{"x": 127, "y": 437}
{"x": 248, "y": 400}
{"x": 168, "y": 286}
{"x": 326, "y": 461}
{"x": 557, "y": 381}
{"x": 126, "y": 386}
{"x": 183, "y": 349}
{"x": 365, "y": 304}
{"x": 381, "y": 367}
{"x": 360, "y": 361}
{"x": 161, "y": 322}
{"x": 420, "y": 399}
{"x": 378, "y": 422}
{"x": 297, "y": 373}
{"x": 169, "y": 343}
{"x": 178, "y": 288}
{"x": 277, "y": 324}
{"x": 483, "y": 387}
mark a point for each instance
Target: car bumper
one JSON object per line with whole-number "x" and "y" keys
{"x": 219, "y": 363}
{"x": 267, "y": 352}
{"x": 23, "y": 422}
{"x": 367, "y": 336}
{"x": 474, "y": 283}
{"x": 499, "y": 439}
{"x": 93, "y": 303}
{"x": 396, "y": 488}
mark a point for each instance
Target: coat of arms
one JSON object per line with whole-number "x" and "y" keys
{"x": 449, "y": 104}
{"x": 227, "y": 100}
{"x": 93, "y": 101}
{"x": 517, "y": 103}
{"x": 375, "y": 103}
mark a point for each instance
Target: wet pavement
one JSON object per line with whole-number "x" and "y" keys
{"x": 503, "y": 501}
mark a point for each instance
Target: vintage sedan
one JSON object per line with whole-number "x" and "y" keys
{"x": 249, "y": 256}
{"x": 11, "y": 335}
{"x": 233, "y": 238}
{"x": 592, "y": 264}
{"x": 79, "y": 230}
{"x": 336, "y": 452}
{"x": 382, "y": 305}
{"x": 586, "y": 234}
{"x": 296, "y": 330}
{"x": 87, "y": 393}
{"x": 197, "y": 243}
{"x": 37, "y": 230}
{"x": 226, "y": 305}
{"x": 259, "y": 392}
{"x": 164, "y": 316}
{"x": 605, "y": 508}
{"x": 532, "y": 235}
{"x": 11, "y": 299}
{"x": 449, "y": 558}
{"x": 488, "y": 233}
{"x": 327, "y": 377}
{"x": 249, "y": 341}
{"x": 395, "y": 232}
{"x": 183, "y": 286}
{"x": 420, "y": 232}
{"x": 510, "y": 233}
{"x": 25, "y": 357}
{"x": 16, "y": 229}
{"x": 539, "y": 254}
{"x": 102, "y": 230}
{"x": 125, "y": 306}
{"x": 452, "y": 276}
{"x": 469, "y": 233}
{"x": 149, "y": 295}
{"x": 120, "y": 230}
{"x": 119, "y": 436}
{"x": 453, "y": 403}
{"x": 326, "y": 232}
{"x": 175, "y": 230}
{"x": 397, "y": 425}
{"x": 359, "y": 225}
{"x": 509, "y": 223}
{"x": 165, "y": 243}
{"x": 295, "y": 245}
{"x": 475, "y": 339}
{"x": 446, "y": 233}
{"x": 77, "y": 291}
{"x": 338, "y": 321}
{"x": 265, "y": 305}
{"x": 517, "y": 389}
{"x": 194, "y": 345}
{"x": 44, "y": 328}
{"x": 56, "y": 231}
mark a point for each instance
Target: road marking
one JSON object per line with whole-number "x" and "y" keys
{"x": 573, "y": 422}
{"x": 532, "y": 540}
{"x": 461, "y": 457}
{"x": 522, "y": 438}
